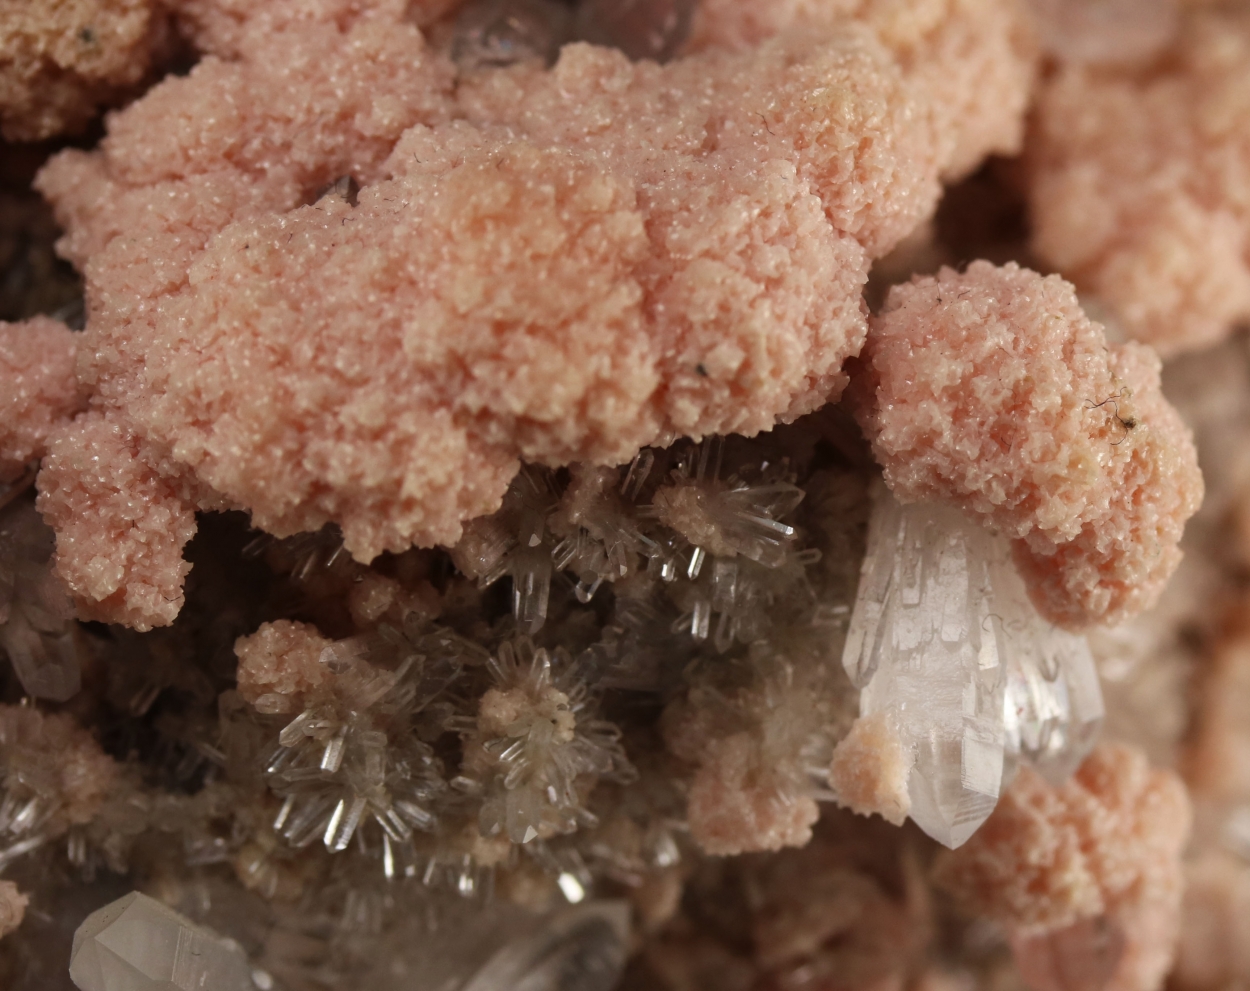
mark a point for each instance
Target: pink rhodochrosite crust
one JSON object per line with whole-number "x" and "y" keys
{"x": 870, "y": 768}
{"x": 1090, "y": 871}
{"x": 551, "y": 265}
{"x": 1138, "y": 183}
{"x": 974, "y": 58}
{"x": 120, "y": 525}
{"x": 61, "y": 61}
{"x": 38, "y": 389}
{"x": 281, "y": 663}
{"x": 993, "y": 390}
{"x": 60, "y": 760}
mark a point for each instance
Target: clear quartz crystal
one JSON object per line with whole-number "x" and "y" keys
{"x": 138, "y": 944}
{"x": 943, "y": 639}
{"x": 36, "y": 615}
{"x": 1052, "y": 706}
{"x": 583, "y": 949}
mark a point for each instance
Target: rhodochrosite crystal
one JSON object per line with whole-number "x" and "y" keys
{"x": 992, "y": 389}
{"x": 1138, "y": 171}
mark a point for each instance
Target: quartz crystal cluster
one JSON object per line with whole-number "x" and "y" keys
{"x": 953, "y": 659}
{"x": 538, "y": 495}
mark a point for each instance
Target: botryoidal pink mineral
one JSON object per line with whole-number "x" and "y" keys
{"x": 528, "y": 281}
{"x": 530, "y": 339}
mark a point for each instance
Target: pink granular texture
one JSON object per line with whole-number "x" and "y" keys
{"x": 231, "y": 28}
{"x": 281, "y": 660}
{"x": 55, "y": 759}
{"x": 736, "y": 804}
{"x": 552, "y": 265}
{"x": 870, "y": 768}
{"x": 992, "y": 389}
{"x": 1138, "y": 182}
{"x": 62, "y": 60}
{"x": 38, "y": 389}
{"x": 120, "y": 526}
{"x": 974, "y": 59}
{"x": 1097, "y": 860}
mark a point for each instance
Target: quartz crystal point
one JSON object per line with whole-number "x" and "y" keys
{"x": 138, "y": 944}
{"x": 944, "y": 640}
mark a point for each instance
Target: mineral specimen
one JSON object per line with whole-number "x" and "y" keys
{"x": 585, "y": 525}
{"x": 1088, "y": 871}
{"x": 38, "y": 389}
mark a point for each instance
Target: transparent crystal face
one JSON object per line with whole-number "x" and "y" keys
{"x": 944, "y": 640}
{"x": 582, "y": 950}
{"x": 138, "y": 944}
{"x": 36, "y": 617}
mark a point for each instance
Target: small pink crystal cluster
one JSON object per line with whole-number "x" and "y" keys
{"x": 54, "y": 777}
{"x": 1138, "y": 176}
{"x": 555, "y": 265}
{"x": 1087, "y": 876}
{"x": 991, "y": 388}
{"x": 38, "y": 390}
{"x": 61, "y": 61}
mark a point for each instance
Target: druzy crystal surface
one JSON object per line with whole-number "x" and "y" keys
{"x": 944, "y": 641}
{"x": 139, "y": 944}
{"x": 525, "y": 368}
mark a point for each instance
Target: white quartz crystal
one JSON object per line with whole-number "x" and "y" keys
{"x": 138, "y": 944}
{"x": 944, "y": 641}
